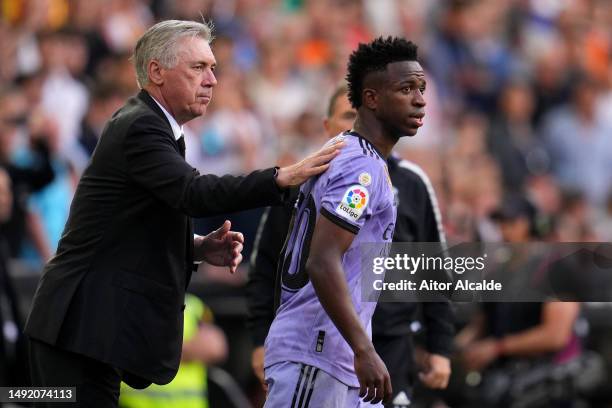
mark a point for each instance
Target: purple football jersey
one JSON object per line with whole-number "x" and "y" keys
{"x": 356, "y": 194}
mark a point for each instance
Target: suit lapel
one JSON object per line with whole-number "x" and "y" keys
{"x": 150, "y": 102}
{"x": 148, "y": 99}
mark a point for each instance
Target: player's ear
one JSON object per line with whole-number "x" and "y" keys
{"x": 370, "y": 98}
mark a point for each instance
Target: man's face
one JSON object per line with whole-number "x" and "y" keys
{"x": 400, "y": 103}
{"x": 515, "y": 230}
{"x": 342, "y": 117}
{"x": 187, "y": 87}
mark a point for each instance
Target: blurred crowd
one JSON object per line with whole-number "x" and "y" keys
{"x": 519, "y": 103}
{"x": 519, "y": 99}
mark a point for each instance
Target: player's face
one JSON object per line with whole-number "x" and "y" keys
{"x": 187, "y": 87}
{"x": 342, "y": 117}
{"x": 401, "y": 105}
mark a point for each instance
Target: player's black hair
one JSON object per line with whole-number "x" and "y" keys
{"x": 372, "y": 57}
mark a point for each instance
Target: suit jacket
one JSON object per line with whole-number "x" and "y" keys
{"x": 115, "y": 289}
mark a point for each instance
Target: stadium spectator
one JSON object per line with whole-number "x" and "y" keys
{"x": 579, "y": 143}
{"x": 28, "y": 172}
{"x": 60, "y": 85}
{"x": 512, "y": 139}
{"x": 12, "y": 352}
{"x": 504, "y": 333}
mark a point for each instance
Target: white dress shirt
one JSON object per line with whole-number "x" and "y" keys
{"x": 177, "y": 129}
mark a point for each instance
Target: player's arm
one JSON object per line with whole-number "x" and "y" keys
{"x": 324, "y": 267}
{"x": 551, "y": 335}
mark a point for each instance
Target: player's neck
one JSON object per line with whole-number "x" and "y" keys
{"x": 373, "y": 131}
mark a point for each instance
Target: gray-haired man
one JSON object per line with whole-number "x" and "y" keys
{"x": 109, "y": 304}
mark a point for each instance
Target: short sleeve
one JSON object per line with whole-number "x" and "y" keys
{"x": 352, "y": 191}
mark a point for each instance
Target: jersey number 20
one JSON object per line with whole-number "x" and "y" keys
{"x": 299, "y": 239}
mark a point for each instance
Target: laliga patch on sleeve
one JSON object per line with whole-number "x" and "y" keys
{"x": 354, "y": 202}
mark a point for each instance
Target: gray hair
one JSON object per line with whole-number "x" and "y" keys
{"x": 159, "y": 43}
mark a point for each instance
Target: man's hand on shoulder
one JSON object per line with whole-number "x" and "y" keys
{"x": 221, "y": 247}
{"x": 312, "y": 165}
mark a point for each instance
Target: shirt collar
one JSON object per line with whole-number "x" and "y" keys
{"x": 177, "y": 130}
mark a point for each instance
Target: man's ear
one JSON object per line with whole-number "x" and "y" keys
{"x": 326, "y": 125}
{"x": 155, "y": 71}
{"x": 370, "y": 98}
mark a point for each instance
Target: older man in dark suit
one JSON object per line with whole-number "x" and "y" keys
{"x": 109, "y": 304}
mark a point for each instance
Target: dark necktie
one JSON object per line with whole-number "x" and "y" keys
{"x": 181, "y": 143}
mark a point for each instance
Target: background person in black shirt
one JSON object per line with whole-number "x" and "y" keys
{"x": 24, "y": 179}
{"x": 12, "y": 341}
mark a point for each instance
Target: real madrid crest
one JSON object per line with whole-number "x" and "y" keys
{"x": 365, "y": 179}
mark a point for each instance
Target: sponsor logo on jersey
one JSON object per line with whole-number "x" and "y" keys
{"x": 354, "y": 202}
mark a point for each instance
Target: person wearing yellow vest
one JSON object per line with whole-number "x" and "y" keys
{"x": 203, "y": 343}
